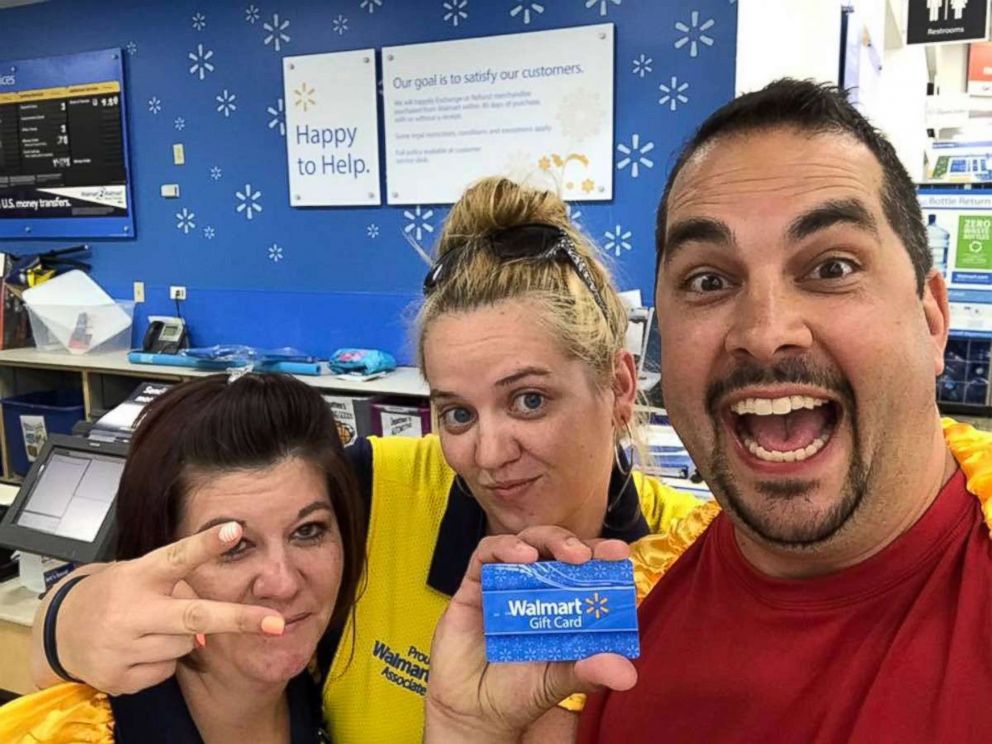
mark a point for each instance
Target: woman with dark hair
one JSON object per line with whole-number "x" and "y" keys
{"x": 257, "y": 461}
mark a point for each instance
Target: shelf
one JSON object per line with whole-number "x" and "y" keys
{"x": 401, "y": 381}
{"x": 106, "y": 380}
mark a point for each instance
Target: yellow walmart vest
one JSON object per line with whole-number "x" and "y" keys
{"x": 375, "y": 690}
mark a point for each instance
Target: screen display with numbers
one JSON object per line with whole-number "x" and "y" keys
{"x": 62, "y": 153}
{"x": 63, "y": 149}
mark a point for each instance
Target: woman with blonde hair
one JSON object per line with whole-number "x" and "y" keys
{"x": 521, "y": 340}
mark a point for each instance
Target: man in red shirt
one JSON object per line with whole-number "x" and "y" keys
{"x": 844, "y": 590}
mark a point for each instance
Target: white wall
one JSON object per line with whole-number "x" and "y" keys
{"x": 801, "y": 39}
{"x": 786, "y": 38}
{"x": 901, "y": 106}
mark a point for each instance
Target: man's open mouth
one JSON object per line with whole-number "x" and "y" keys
{"x": 785, "y": 428}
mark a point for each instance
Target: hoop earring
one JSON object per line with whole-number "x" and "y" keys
{"x": 617, "y": 451}
{"x": 627, "y": 474}
{"x": 618, "y": 448}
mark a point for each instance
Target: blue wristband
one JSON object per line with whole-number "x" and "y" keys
{"x": 51, "y": 617}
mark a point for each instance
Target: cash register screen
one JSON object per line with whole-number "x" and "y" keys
{"x": 72, "y": 495}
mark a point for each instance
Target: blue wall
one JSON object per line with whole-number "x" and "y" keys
{"x": 324, "y": 278}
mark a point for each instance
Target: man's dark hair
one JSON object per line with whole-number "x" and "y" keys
{"x": 815, "y": 109}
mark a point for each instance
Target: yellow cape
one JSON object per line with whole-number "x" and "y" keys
{"x": 64, "y": 714}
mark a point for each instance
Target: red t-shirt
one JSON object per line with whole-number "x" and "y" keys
{"x": 895, "y": 649}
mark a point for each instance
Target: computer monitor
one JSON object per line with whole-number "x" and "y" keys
{"x": 65, "y": 507}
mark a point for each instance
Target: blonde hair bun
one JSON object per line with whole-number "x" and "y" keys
{"x": 497, "y": 203}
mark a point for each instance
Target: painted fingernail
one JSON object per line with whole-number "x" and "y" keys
{"x": 273, "y": 625}
{"x": 229, "y": 532}
{"x": 201, "y": 640}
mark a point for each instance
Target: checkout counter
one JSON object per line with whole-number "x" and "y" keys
{"x": 63, "y": 510}
{"x": 17, "y": 608}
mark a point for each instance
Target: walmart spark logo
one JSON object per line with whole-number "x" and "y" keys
{"x": 596, "y": 606}
{"x": 304, "y": 97}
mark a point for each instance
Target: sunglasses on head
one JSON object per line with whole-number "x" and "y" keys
{"x": 530, "y": 241}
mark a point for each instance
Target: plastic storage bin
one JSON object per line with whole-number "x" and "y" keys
{"x": 28, "y": 420}
{"x": 397, "y": 417}
{"x": 79, "y": 329}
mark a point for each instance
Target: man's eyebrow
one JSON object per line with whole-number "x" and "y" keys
{"x": 844, "y": 211}
{"x": 696, "y": 230}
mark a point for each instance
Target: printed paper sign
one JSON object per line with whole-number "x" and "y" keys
{"x": 332, "y": 136}
{"x": 946, "y": 21}
{"x": 980, "y": 69}
{"x": 400, "y": 425}
{"x": 959, "y": 237}
{"x": 537, "y": 107}
{"x": 35, "y": 435}
{"x": 343, "y": 409}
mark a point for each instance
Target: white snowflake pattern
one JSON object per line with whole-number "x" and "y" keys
{"x": 226, "y": 104}
{"x": 525, "y": 9}
{"x": 277, "y": 32}
{"x": 180, "y": 123}
{"x": 694, "y": 34}
{"x": 201, "y": 61}
{"x": 372, "y": 231}
{"x": 199, "y": 21}
{"x": 252, "y": 15}
{"x": 154, "y": 104}
{"x": 275, "y": 253}
{"x": 642, "y": 65}
{"x": 278, "y": 114}
{"x": 249, "y": 201}
{"x": 418, "y": 223}
{"x": 617, "y": 240}
{"x": 603, "y": 4}
{"x": 209, "y": 233}
{"x": 185, "y": 220}
{"x": 519, "y": 165}
{"x": 370, "y": 5}
{"x": 339, "y": 25}
{"x": 634, "y": 155}
{"x": 456, "y": 11}
{"x": 132, "y": 48}
{"x": 216, "y": 173}
{"x": 673, "y": 94}
{"x": 574, "y": 214}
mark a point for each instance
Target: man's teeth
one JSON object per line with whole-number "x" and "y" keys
{"x": 792, "y": 456}
{"x": 776, "y": 406}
